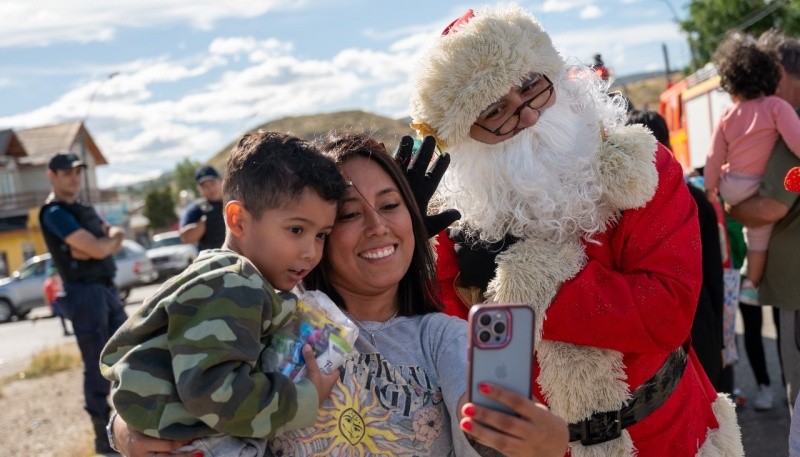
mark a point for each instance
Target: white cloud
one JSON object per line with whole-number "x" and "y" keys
{"x": 585, "y": 42}
{"x": 121, "y": 178}
{"x": 137, "y": 125}
{"x": 233, "y": 45}
{"x": 591, "y": 12}
{"x": 560, "y": 6}
{"x": 44, "y": 22}
{"x": 161, "y": 109}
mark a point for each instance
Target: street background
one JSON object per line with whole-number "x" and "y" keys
{"x": 764, "y": 433}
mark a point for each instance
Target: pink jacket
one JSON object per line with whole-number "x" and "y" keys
{"x": 746, "y": 134}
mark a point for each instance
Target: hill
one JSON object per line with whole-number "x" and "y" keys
{"x": 642, "y": 90}
{"x": 316, "y": 126}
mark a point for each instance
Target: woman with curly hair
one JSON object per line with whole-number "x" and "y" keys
{"x": 744, "y": 137}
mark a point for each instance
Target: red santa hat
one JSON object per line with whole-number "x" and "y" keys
{"x": 478, "y": 58}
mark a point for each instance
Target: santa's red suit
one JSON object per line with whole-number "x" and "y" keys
{"x": 636, "y": 294}
{"x": 613, "y": 279}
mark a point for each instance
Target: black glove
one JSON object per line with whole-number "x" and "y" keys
{"x": 423, "y": 182}
{"x": 477, "y": 259}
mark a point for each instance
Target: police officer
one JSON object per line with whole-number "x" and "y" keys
{"x": 202, "y": 222}
{"x": 81, "y": 245}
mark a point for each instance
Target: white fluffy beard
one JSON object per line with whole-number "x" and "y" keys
{"x": 542, "y": 183}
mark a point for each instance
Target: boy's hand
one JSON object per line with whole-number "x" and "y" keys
{"x": 323, "y": 382}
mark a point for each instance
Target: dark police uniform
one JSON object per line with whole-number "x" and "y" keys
{"x": 89, "y": 299}
{"x": 214, "y": 235}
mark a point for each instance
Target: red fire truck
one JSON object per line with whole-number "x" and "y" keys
{"x": 692, "y": 107}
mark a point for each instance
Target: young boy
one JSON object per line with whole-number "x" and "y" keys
{"x": 188, "y": 364}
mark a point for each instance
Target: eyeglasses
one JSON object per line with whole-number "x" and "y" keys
{"x": 536, "y": 101}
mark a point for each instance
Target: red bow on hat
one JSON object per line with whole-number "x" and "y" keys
{"x": 459, "y": 22}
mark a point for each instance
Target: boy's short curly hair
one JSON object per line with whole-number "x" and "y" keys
{"x": 268, "y": 170}
{"x": 745, "y": 70}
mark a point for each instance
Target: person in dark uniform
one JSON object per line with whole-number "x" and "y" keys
{"x": 202, "y": 222}
{"x": 81, "y": 245}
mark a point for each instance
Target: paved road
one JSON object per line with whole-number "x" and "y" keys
{"x": 765, "y": 434}
{"x": 22, "y": 339}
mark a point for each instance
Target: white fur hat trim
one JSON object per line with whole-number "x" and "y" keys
{"x": 475, "y": 65}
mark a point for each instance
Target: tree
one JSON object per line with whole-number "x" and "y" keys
{"x": 184, "y": 174}
{"x": 159, "y": 207}
{"x": 709, "y": 20}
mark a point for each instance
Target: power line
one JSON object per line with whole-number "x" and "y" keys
{"x": 755, "y": 16}
{"x": 94, "y": 94}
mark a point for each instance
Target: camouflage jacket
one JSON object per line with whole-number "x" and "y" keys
{"x": 187, "y": 364}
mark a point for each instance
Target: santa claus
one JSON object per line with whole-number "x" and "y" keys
{"x": 587, "y": 220}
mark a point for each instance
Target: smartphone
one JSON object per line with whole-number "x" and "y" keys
{"x": 500, "y": 350}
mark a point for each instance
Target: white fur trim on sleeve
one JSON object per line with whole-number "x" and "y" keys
{"x": 725, "y": 440}
{"x": 626, "y": 165}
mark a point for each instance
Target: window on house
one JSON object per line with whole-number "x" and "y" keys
{"x": 6, "y": 183}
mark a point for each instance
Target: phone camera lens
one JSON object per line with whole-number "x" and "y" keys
{"x": 485, "y": 319}
{"x": 499, "y": 327}
{"x": 484, "y": 336}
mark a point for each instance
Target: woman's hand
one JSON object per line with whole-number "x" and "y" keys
{"x": 536, "y": 432}
{"x": 134, "y": 444}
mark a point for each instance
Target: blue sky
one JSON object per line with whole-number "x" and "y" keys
{"x": 160, "y": 80}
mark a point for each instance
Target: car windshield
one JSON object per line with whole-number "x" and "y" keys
{"x": 133, "y": 247}
{"x": 171, "y": 241}
{"x": 129, "y": 248}
{"x": 35, "y": 267}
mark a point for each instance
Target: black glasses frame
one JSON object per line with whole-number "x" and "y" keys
{"x": 526, "y": 104}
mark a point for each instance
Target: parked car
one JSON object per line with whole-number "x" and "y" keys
{"x": 169, "y": 254}
{"x": 23, "y": 290}
{"x": 134, "y": 268}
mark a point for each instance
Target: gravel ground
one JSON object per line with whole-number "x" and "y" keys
{"x": 45, "y": 418}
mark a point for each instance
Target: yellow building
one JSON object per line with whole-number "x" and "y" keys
{"x": 18, "y": 245}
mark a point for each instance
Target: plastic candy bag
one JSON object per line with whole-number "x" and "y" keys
{"x": 318, "y": 322}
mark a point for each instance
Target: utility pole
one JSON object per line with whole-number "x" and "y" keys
{"x": 667, "y": 70}
{"x": 689, "y": 40}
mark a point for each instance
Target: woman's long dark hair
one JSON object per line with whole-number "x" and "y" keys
{"x": 417, "y": 292}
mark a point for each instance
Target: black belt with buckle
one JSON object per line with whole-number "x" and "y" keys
{"x": 606, "y": 426}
